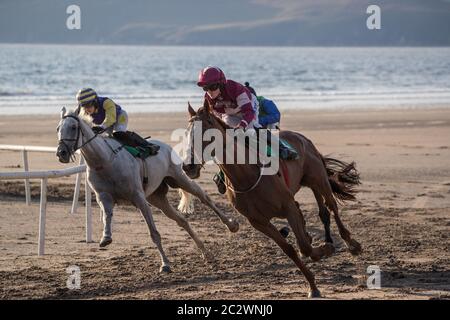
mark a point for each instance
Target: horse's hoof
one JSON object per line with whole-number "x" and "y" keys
{"x": 354, "y": 247}
{"x": 328, "y": 249}
{"x": 314, "y": 294}
{"x": 317, "y": 253}
{"x": 105, "y": 242}
{"x": 233, "y": 226}
{"x": 284, "y": 232}
{"x": 309, "y": 238}
{"x": 315, "y": 258}
{"x": 208, "y": 257}
{"x": 165, "y": 269}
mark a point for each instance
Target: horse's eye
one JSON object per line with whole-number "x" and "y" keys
{"x": 74, "y": 127}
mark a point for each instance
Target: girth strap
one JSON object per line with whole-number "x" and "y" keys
{"x": 145, "y": 180}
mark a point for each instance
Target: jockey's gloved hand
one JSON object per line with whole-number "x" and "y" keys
{"x": 242, "y": 125}
{"x": 97, "y": 129}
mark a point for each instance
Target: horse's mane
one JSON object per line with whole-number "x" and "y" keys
{"x": 85, "y": 117}
{"x": 206, "y": 109}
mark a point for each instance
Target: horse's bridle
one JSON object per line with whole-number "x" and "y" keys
{"x": 75, "y": 146}
{"x": 228, "y": 186}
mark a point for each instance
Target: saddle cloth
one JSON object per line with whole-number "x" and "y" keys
{"x": 138, "y": 152}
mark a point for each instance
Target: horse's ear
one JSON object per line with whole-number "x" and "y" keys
{"x": 191, "y": 110}
{"x": 63, "y": 112}
{"x": 77, "y": 111}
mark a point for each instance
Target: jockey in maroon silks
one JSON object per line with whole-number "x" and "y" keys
{"x": 236, "y": 106}
{"x": 230, "y": 101}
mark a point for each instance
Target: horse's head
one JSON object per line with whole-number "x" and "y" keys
{"x": 194, "y": 161}
{"x": 68, "y": 135}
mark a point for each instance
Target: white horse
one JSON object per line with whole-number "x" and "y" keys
{"x": 115, "y": 175}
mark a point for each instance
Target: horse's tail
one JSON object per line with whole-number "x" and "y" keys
{"x": 343, "y": 178}
{"x": 186, "y": 205}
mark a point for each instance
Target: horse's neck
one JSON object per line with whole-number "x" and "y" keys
{"x": 95, "y": 151}
{"x": 239, "y": 174}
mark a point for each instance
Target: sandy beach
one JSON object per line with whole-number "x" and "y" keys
{"x": 401, "y": 219}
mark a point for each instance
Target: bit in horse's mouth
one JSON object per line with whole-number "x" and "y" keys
{"x": 62, "y": 157}
{"x": 63, "y": 154}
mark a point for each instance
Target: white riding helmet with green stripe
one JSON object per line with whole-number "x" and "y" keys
{"x": 86, "y": 96}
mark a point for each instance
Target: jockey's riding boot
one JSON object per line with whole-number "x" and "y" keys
{"x": 286, "y": 152}
{"x": 141, "y": 142}
{"x": 122, "y": 137}
{"x": 134, "y": 140}
{"x": 219, "y": 181}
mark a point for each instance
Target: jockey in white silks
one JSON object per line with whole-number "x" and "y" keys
{"x": 236, "y": 106}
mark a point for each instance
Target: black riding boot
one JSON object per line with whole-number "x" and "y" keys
{"x": 132, "y": 139}
{"x": 286, "y": 153}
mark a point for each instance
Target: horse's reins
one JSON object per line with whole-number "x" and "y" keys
{"x": 193, "y": 156}
{"x": 229, "y": 186}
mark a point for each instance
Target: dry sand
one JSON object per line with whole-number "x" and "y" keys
{"x": 401, "y": 218}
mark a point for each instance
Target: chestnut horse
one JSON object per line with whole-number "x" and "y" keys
{"x": 263, "y": 197}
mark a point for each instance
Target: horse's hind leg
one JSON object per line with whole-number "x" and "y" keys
{"x": 353, "y": 246}
{"x": 324, "y": 215}
{"x": 160, "y": 201}
{"x": 297, "y": 223}
{"x": 269, "y": 230}
{"x": 193, "y": 188}
{"x": 141, "y": 203}
{"x": 106, "y": 203}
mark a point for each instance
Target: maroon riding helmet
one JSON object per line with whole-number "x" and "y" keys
{"x": 210, "y": 75}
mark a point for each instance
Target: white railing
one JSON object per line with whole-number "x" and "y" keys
{"x": 25, "y": 150}
{"x": 44, "y": 176}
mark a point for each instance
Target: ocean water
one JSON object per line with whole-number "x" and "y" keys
{"x": 40, "y": 79}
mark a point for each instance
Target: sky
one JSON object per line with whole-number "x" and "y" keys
{"x": 232, "y": 22}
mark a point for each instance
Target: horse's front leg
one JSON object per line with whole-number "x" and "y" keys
{"x": 106, "y": 203}
{"x": 193, "y": 188}
{"x": 141, "y": 203}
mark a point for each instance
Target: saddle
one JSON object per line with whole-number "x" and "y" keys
{"x": 136, "y": 145}
{"x": 138, "y": 152}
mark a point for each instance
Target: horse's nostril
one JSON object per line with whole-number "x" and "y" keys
{"x": 61, "y": 153}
